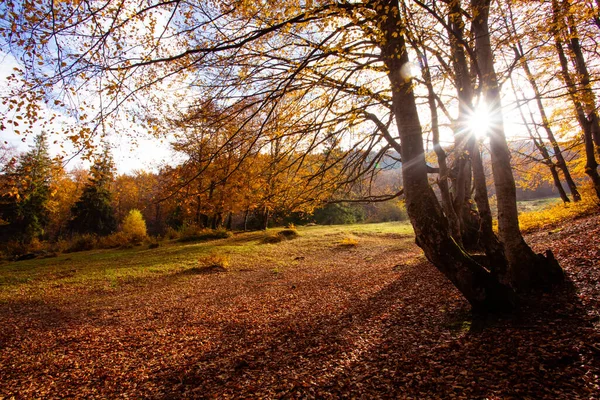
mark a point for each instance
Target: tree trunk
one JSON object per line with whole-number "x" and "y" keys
{"x": 431, "y": 227}
{"x": 266, "y": 215}
{"x": 525, "y": 268}
{"x": 489, "y": 241}
{"x": 588, "y": 126}
{"x": 487, "y": 238}
{"x": 463, "y": 137}
{"x": 447, "y": 203}
{"x": 246, "y": 214}
{"x": 229, "y": 222}
{"x": 560, "y": 160}
{"x": 198, "y": 213}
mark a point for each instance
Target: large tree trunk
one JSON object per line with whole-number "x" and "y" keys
{"x": 525, "y": 268}
{"x": 463, "y": 80}
{"x": 489, "y": 241}
{"x": 431, "y": 227}
{"x": 464, "y": 140}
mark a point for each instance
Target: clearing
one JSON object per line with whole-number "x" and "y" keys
{"x": 340, "y": 312}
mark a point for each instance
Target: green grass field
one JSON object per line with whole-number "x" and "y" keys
{"x": 109, "y": 269}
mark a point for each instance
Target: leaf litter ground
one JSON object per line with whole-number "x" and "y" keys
{"x": 373, "y": 320}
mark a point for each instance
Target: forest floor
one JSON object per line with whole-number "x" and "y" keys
{"x": 340, "y": 312}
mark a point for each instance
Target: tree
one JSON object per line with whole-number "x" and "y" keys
{"x": 578, "y": 85}
{"x": 93, "y": 212}
{"x": 27, "y": 193}
{"x": 134, "y": 226}
{"x": 525, "y": 268}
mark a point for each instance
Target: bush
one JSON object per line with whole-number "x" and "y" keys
{"x": 134, "y": 226}
{"x": 61, "y": 245}
{"x": 289, "y": 234}
{"x": 35, "y": 249}
{"x": 113, "y": 241}
{"x": 15, "y": 248}
{"x": 195, "y": 234}
{"x": 215, "y": 261}
{"x": 348, "y": 242}
{"x": 210, "y": 264}
{"x": 82, "y": 242}
{"x": 286, "y": 234}
{"x": 272, "y": 239}
{"x": 171, "y": 233}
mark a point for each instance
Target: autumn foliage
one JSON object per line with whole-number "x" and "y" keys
{"x": 134, "y": 226}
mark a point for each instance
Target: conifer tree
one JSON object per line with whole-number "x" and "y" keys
{"x": 26, "y": 193}
{"x": 93, "y": 212}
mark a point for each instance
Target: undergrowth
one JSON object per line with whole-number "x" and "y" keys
{"x": 550, "y": 216}
{"x": 194, "y": 234}
{"x": 348, "y": 242}
{"x": 286, "y": 234}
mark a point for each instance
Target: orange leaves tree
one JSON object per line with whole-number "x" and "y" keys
{"x": 251, "y": 170}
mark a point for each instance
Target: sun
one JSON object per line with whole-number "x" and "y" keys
{"x": 479, "y": 121}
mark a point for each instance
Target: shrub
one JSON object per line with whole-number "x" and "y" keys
{"x": 216, "y": 261}
{"x": 210, "y": 264}
{"x": 15, "y": 248}
{"x": 171, "y": 233}
{"x": 134, "y": 226}
{"x": 272, "y": 239}
{"x": 195, "y": 234}
{"x": 113, "y": 241}
{"x": 348, "y": 242}
{"x": 35, "y": 249}
{"x": 290, "y": 233}
{"x": 82, "y": 242}
{"x": 60, "y": 246}
{"x": 286, "y": 234}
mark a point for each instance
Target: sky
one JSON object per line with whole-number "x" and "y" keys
{"x": 147, "y": 153}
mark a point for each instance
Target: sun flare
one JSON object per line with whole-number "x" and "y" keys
{"x": 479, "y": 122}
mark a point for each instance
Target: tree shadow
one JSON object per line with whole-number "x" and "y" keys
{"x": 414, "y": 337}
{"x": 400, "y": 343}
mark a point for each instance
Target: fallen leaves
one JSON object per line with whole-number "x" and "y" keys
{"x": 330, "y": 326}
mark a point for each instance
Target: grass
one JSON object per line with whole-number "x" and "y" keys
{"x": 99, "y": 270}
{"x": 526, "y": 206}
{"x": 545, "y": 213}
{"x": 112, "y": 269}
{"x": 109, "y": 270}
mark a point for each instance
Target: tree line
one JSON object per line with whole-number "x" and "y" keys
{"x": 42, "y": 201}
